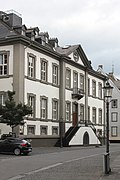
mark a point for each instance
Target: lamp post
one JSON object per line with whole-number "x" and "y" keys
{"x": 107, "y": 95}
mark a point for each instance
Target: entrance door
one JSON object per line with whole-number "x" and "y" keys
{"x": 75, "y": 114}
{"x": 86, "y": 139}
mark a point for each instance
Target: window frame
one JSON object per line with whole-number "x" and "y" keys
{"x": 55, "y": 74}
{"x": 68, "y": 112}
{"x": 114, "y": 131}
{"x": 93, "y": 88}
{"x": 94, "y": 115}
{"x": 31, "y": 126}
{"x": 100, "y": 90}
{"x": 31, "y": 68}
{"x": 3, "y": 65}
{"x": 68, "y": 78}
{"x": 44, "y": 108}
{"x": 82, "y": 82}
{"x": 44, "y": 72}
{"x": 99, "y": 116}
{"x": 55, "y": 110}
{"x": 112, "y": 119}
{"x": 33, "y": 105}
{"x": 41, "y": 127}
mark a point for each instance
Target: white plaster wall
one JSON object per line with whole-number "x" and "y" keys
{"x": 38, "y": 124}
{"x": 40, "y": 89}
{"x": 78, "y": 138}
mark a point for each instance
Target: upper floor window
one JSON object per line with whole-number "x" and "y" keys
{"x": 75, "y": 80}
{"x": 43, "y": 108}
{"x": 94, "y": 88}
{"x": 55, "y": 74}
{"x": 82, "y": 82}
{"x": 114, "y": 103}
{"x": 88, "y": 113}
{"x": 100, "y": 90}
{"x": 3, "y": 64}
{"x": 88, "y": 86}
{"x": 94, "y": 115}
{"x": 31, "y": 66}
{"x": 55, "y": 109}
{"x": 3, "y": 98}
{"x": 100, "y": 116}
{"x": 31, "y": 102}
{"x": 114, "y": 116}
{"x": 43, "y": 70}
{"x": 68, "y": 78}
{"x": 81, "y": 112}
{"x": 68, "y": 111}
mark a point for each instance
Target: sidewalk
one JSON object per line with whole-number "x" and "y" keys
{"x": 115, "y": 171}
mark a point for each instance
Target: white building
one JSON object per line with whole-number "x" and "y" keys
{"x": 59, "y": 83}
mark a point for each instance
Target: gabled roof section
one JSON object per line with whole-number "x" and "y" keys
{"x": 70, "y": 50}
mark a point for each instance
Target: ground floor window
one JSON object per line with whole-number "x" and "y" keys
{"x": 43, "y": 130}
{"x": 54, "y": 130}
{"x": 30, "y": 130}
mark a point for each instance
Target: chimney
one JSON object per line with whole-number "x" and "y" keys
{"x": 11, "y": 18}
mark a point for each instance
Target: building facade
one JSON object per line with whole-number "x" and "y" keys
{"x": 59, "y": 83}
{"x": 114, "y": 106}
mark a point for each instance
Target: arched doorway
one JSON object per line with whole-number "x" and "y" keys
{"x": 86, "y": 138}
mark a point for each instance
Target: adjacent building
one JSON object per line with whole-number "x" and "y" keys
{"x": 59, "y": 83}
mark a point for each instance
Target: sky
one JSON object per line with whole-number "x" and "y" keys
{"x": 94, "y": 24}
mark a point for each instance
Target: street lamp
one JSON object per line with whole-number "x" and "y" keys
{"x": 107, "y": 95}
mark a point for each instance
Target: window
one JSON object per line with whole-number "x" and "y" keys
{"x": 114, "y": 116}
{"x": 31, "y": 66}
{"x": 54, "y": 130}
{"x": 88, "y": 113}
{"x": 82, "y": 82}
{"x": 3, "y": 64}
{"x": 94, "y": 88}
{"x": 68, "y": 111}
{"x": 100, "y": 116}
{"x": 68, "y": 78}
{"x": 75, "y": 80}
{"x": 81, "y": 112}
{"x": 100, "y": 90}
{"x": 43, "y": 108}
{"x": 43, "y": 70}
{"x": 114, "y": 131}
{"x": 55, "y": 110}
{"x": 3, "y": 98}
{"x": 88, "y": 87}
{"x": 30, "y": 130}
{"x": 31, "y": 102}
{"x": 43, "y": 130}
{"x": 114, "y": 103}
{"x": 94, "y": 115}
{"x": 55, "y": 74}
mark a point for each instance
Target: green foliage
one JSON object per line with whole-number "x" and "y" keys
{"x": 13, "y": 114}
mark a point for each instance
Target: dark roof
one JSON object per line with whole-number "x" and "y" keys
{"x": 6, "y": 31}
{"x": 67, "y": 50}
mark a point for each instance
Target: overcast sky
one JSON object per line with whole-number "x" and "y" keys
{"x": 95, "y": 24}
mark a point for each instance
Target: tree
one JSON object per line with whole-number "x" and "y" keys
{"x": 13, "y": 114}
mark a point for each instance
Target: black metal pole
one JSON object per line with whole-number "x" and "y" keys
{"x": 107, "y": 128}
